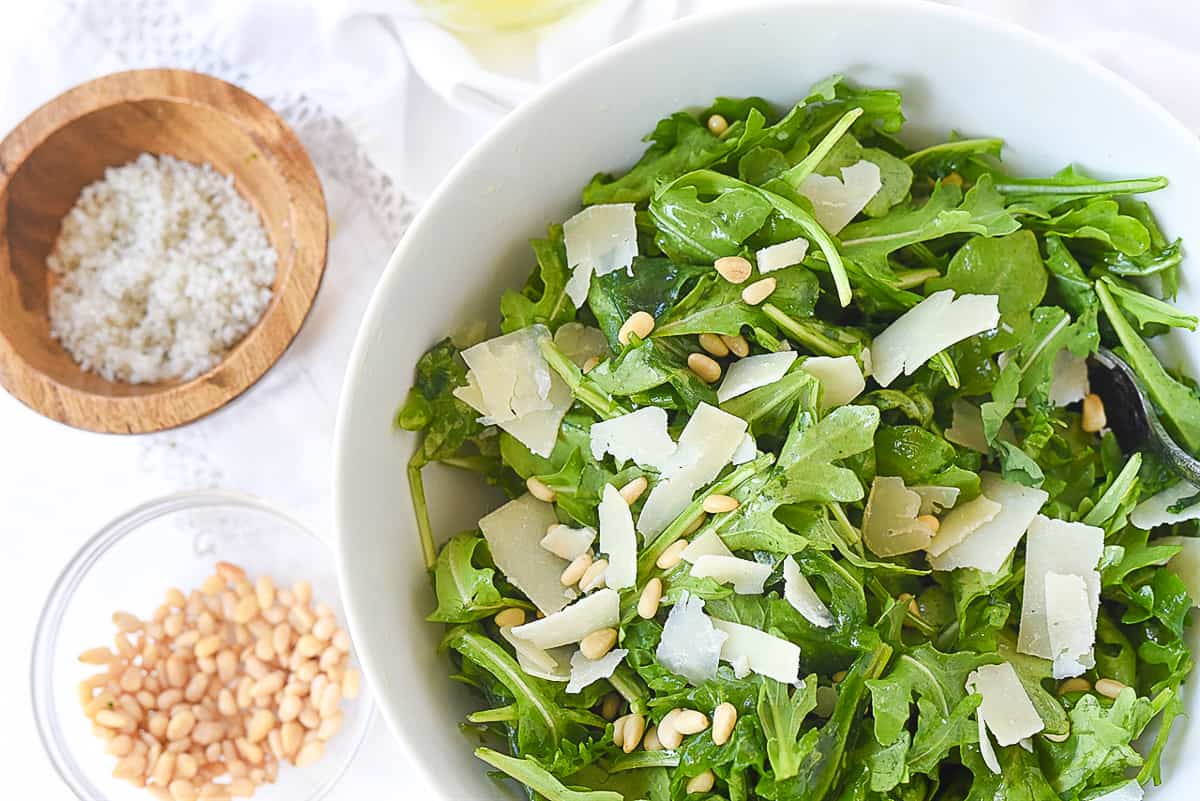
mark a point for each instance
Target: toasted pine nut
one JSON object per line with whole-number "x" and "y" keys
{"x": 207, "y": 732}
{"x": 717, "y": 125}
{"x": 717, "y": 504}
{"x": 324, "y": 628}
{"x": 246, "y": 609}
{"x": 241, "y": 788}
{"x": 330, "y": 700}
{"x": 737, "y": 345}
{"x": 97, "y": 656}
{"x": 329, "y": 726}
{"x": 640, "y": 323}
{"x": 1093, "y": 418}
{"x": 635, "y": 727}
{"x": 1075, "y": 685}
{"x": 196, "y": 687}
{"x": 701, "y": 783}
{"x": 575, "y": 570}
{"x": 230, "y": 572}
{"x": 610, "y": 706}
{"x": 672, "y": 555}
{"x": 268, "y": 685}
{"x": 930, "y": 522}
{"x": 281, "y": 639}
{"x": 650, "y": 599}
{"x": 175, "y": 597}
{"x": 690, "y": 721}
{"x": 182, "y": 790}
{"x": 119, "y": 746}
{"x": 126, "y": 622}
{"x": 1109, "y": 688}
{"x": 634, "y": 489}
{"x": 310, "y": 753}
{"x": 733, "y": 269}
{"x": 668, "y": 735}
{"x": 308, "y": 646}
{"x": 759, "y": 291}
{"x": 302, "y": 593}
{"x": 705, "y": 368}
{"x": 249, "y": 751}
{"x": 593, "y": 577}
{"x": 650, "y": 741}
{"x": 291, "y": 734}
{"x": 213, "y": 585}
{"x": 164, "y": 768}
{"x": 260, "y": 723}
{"x": 264, "y": 591}
{"x": 207, "y": 646}
{"x": 538, "y": 489}
{"x": 111, "y": 719}
{"x": 513, "y": 616}
{"x": 598, "y": 643}
{"x": 724, "y": 719}
{"x": 714, "y": 345}
{"x": 619, "y": 731}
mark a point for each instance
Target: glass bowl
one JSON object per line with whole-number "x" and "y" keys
{"x": 173, "y": 541}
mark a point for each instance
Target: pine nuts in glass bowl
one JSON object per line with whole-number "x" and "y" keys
{"x": 121, "y": 577}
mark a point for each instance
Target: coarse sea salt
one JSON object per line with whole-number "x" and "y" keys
{"x": 162, "y": 267}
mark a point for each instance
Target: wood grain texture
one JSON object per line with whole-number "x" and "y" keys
{"x": 67, "y": 144}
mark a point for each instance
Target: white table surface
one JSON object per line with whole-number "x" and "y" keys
{"x": 59, "y": 485}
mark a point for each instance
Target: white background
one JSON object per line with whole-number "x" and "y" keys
{"x": 376, "y": 102}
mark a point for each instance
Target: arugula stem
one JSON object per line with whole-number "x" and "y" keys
{"x": 501, "y": 714}
{"x": 630, "y": 687}
{"x": 1051, "y": 186}
{"x": 796, "y": 175}
{"x": 581, "y": 387}
{"x": 540, "y": 780}
{"x": 945, "y": 365}
{"x": 416, "y": 488}
{"x": 968, "y": 145}
{"x": 853, "y": 536}
{"x": 804, "y": 333}
{"x": 644, "y": 759}
{"x": 907, "y": 279}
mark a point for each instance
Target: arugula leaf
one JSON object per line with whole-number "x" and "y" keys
{"x": 1099, "y": 750}
{"x": 782, "y": 713}
{"x": 1007, "y": 266}
{"x": 1151, "y": 314}
{"x": 895, "y": 174}
{"x": 695, "y": 230}
{"x": 715, "y": 306}
{"x": 540, "y": 780}
{"x": 1100, "y": 221}
{"x": 544, "y": 297}
{"x": 654, "y": 287}
{"x": 646, "y": 367}
{"x": 466, "y": 592}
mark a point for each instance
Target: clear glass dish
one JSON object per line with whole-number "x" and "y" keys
{"x": 172, "y": 542}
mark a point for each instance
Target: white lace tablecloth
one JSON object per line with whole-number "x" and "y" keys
{"x": 385, "y": 103}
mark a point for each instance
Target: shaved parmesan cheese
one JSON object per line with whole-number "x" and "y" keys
{"x": 586, "y": 671}
{"x": 559, "y": 673}
{"x": 600, "y": 610}
{"x": 986, "y": 750}
{"x": 1070, "y": 624}
{"x": 617, "y": 539}
{"x": 1056, "y": 546}
{"x": 785, "y": 254}
{"x": 705, "y": 446}
{"x": 1130, "y": 791}
{"x": 1154, "y": 511}
{"x": 927, "y": 329}
{"x": 966, "y": 426}
{"x": 838, "y": 201}
{"x": 707, "y": 544}
{"x": 890, "y": 526}
{"x": 1070, "y": 382}
{"x": 538, "y": 661}
{"x": 841, "y": 379}
{"x": 1186, "y": 564}
{"x": 1005, "y": 707}
{"x": 765, "y": 654}
{"x": 800, "y": 594}
{"x": 566, "y": 542}
{"x": 936, "y": 499}
{"x": 962, "y": 522}
{"x": 690, "y": 644}
{"x": 753, "y": 372}
{"x": 741, "y": 666}
{"x": 989, "y": 546}
{"x": 641, "y": 436}
{"x": 513, "y": 533}
{"x": 747, "y": 577}
{"x": 579, "y": 343}
{"x": 746, "y": 452}
{"x": 512, "y": 386}
{"x": 599, "y": 240}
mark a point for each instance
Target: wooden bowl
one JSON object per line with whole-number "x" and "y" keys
{"x": 66, "y": 145}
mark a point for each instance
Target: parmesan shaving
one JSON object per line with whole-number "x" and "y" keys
{"x": 579, "y": 343}
{"x": 925, "y": 330}
{"x": 586, "y": 671}
{"x": 514, "y": 533}
{"x": 966, "y": 426}
{"x": 990, "y": 545}
{"x": 837, "y": 201}
{"x": 1056, "y": 546}
{"x": 1155, "y": 510}
{"x": 784, "y": 254}
{"x": 1070, "y": 625}
{"x": 961, "y": 523}
{"x": 765, "y": 654}
{"x": 690, "y": 644}
{"x": 890, "y": 526}
{"x": 600, "y": 610}
{"x": 617, "y": 539}
{"x": 566, "y": 542}
{"x": 1070, "y": 382}
{"x": 747, "y": 577}
{"x": 936, "y": 499}
{"x": 841, "y": 379}
{"x": 641, "y": 436}
{"x": 707, "y": 544}
{"x": 800, "y": 594}
{"x": 1005, "y": 708}
{"x": 599, "y": 240}
{"x": 753, "y": 372}
{"x": 746, "y": 451}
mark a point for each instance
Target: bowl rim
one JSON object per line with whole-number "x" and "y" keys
{"x": 373, "y": 664}
{"x": 169, "y": 405}
{"x": 44, "y": 648}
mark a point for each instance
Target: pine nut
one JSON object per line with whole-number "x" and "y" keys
{"x": 737, "y": 345}
{"x": 164, "y": 769}
{"x": 302, "y": 592}
{"x": 291, "y": 734}
{"x": 207, "y": 732}
{"x": 330, "y": 699}
{"x": 130, "y": 767}
{"x": 513, "y": 616}
{"x": 538, "y": 489}
{"x": 672, "y": 555}
{"x": 759, "y": 291}
{"x": 310, "y": 753}
{"x": 268, "y": 685}
{"x": 207, "y": 646}
{"x": 180, "y": 724}
{"x": 281, "y": 639}
{"x": 249, "y": 751}
{"x": 598, "y": 643}
{"x": 704, "y": 367}
{"x": 1057, "y": 738}
{"x": 174, "y": 597}
{"x": 261, "y": 723}
{"x": 695, "y": 525}
{"x": 839, "y": 677}
{"x": 930, "y": 522}
{"x": 593, "y": 577}
{"x": 341, "y": 641}
{"x": 635, "y": 727}
{"x": 264, "y": 591}
{"x": 301, "y": 619}
{"x": 590, "y": 364}
{"x": 1093, "y": 418}
{"x": 119, "y": 746}
{"x": 619, "y": 731}
{"x": 329, "y": 726}
{"x": 690, "y": 721}
{"x": 733, "y": 269}
{"x": 182, "y": 790}
{"x": 650, "y": 741}
{"x": 324, "y": 628}
{"x": 97, "y": 656}
{"x": 331, "y": 658}
{"x": 575, "y": 570}
{"x": 289, "y": 708}
{"x": 1075, "y": 685}
{"x": 111, "y": 719}
{"x": 668, "y": 735}
{"x": 714, "y": 345}
{"x": 131, "y": 680}
{"x": 213, "y": 585}
{"x": 1109, "y": 688}
{"x": 717, "y": 125}
{"x": 718, "y": 504}
{"x": 610, "y": 706}
{"x": 634, "y": 489}
{"x": 308, "y": 646}
{"x": 196, "y": 687}
{"x": 724, "y": 719}
{"x": 701, "y": 783}
{"x": 241, "y": 788}
{"x": 639, "y": 323}
{"x": 275, "y": 744}
{"x": 230, "y": 572}
{"x": 246, "y": 609}
{"x": 309, "y": 718}
{"x": 650, "y": 599}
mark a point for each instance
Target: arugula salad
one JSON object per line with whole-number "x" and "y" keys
{"x": 810, "y": 496}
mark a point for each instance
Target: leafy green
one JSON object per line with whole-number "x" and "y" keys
{"x": 466, "y": 592}
{"x": 544, "y": 298}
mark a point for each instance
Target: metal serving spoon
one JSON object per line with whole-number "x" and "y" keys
{"x": 1131, "y": 415}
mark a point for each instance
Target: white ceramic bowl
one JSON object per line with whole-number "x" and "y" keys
{"x": 957, "y": 71}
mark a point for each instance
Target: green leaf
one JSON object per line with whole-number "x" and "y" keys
{"x": 540, "y": 780}
{"x": 1019, "y": 467}
{"x": 912, "y": 453}
{"x": 782, "y": 713}
{"x": 544, "y": 298}
{"x": 1099, "y": 221}
{"x": 1007, "y": 266}
{"x": 431, "y": 407}
{"x": 895, "y": 174}
{"x": 1150, "y": 314}
{"x": 715, "y": 306}
{"x": 767, "y": 409}
{"x": 694, "y": 230}
{"x": 1071, "y": 286}
{"x": 654, "y": 287}
{"x": 647, "y": 367}
{"x": 465, "y": 591}
{"x": 1099, "y": 750}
